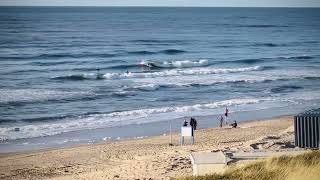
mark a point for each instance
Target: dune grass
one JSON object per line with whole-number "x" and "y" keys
{"x": 301, "y": 167}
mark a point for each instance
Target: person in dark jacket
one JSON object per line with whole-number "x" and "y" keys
{"x": 185, "y": 123}
{"x": 226, "y": 115}
{"x": 193, "y": 123}
{"x": 234, "y": 124}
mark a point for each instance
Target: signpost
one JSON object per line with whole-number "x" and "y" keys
{"x": 186, "y": 132}
{"x": 170, "y": 144}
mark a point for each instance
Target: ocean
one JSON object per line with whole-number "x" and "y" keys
{"x": 72, "y": 75}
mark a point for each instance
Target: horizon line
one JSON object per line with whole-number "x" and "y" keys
{"x": 161, "y": 6}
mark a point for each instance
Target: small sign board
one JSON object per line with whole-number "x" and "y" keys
{"x": 186, "y": 131}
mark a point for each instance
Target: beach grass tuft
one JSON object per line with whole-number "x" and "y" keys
{"x": 304, "y": 166}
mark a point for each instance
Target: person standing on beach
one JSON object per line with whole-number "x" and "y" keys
{"x": 193, "y": 123}
{"x": 185, "y": 123}
{"x": 221, "y": 121}
{"x": 226, "y": 115}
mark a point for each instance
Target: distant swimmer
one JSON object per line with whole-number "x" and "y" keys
{"x": 127, "y": 72}
{"x": 98, "y": 75}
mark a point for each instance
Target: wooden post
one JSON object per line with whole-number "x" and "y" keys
{"x": 171, "y": 144}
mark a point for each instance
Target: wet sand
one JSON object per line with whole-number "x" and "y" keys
{"x": 148, "y": 158}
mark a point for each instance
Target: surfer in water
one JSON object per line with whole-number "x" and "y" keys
{"x": 98, "y": 75}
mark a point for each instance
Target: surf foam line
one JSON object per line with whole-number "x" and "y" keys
{"x": 154, "y": 86}
{"x": 175, "y": 64}
{"x": 180, "y": 72}
{"x": 94, "y": 121}
{"x": 166, "y": 73}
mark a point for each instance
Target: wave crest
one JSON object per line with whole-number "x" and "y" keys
{"x": 297, "y": 57}
{"x": 181, "y": 72}
{"x": 166, "y": 73}
{"x": 175, "y": 64}
{"x": 112, "y": 119}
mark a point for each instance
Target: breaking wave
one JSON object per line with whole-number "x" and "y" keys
{"x": 296, "y": 57}
{"x": 181, "y": 72}
{"x": 112, "y": 119}
{"x": 147, "y": 87}
{"x": 175, "y": 64}
{"x": 165, "y": 64}
{"x": 166, "y": 73}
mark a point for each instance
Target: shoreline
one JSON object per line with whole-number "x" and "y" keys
{"x": 132, "y": 131}
{"x": 176, "y": 132}
{"x": 150, "y": 157}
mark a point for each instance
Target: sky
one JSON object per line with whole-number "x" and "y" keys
{"x": 205, "y": 3}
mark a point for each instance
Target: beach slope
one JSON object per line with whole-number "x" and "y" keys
{"x": 148, "y": 158}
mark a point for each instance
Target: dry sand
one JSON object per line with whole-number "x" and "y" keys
{"x": 149, "y": 158}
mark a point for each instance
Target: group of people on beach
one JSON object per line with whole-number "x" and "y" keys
{"x": 193, "y": 123}
{"x": 222, "y": 118}
{"x": 225, "y": 119}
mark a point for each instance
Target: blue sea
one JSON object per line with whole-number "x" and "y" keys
{"x": 72, "y": 75}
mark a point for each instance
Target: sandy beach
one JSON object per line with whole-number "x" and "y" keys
{"x": 148, "y": 158}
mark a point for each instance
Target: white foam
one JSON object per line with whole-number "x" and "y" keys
{"x": 106, "y": 138}
{"x": 176, "y": 64}
{"x": 180, "y": 72}
{"x": 147, "y": 112}
{"x": 187, "y": 63}
{"x": 114, "y": 119}
{"x": 140, "y": 137}
{"x": 148, "y": 87}
{"x": 209, "y": 79}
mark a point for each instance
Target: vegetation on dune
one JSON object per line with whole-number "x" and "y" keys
{"x": 304, "y": 166}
